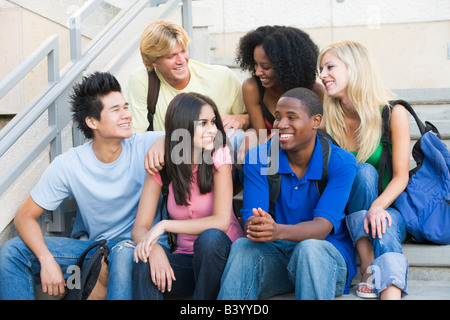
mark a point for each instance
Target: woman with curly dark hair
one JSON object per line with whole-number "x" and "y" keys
{"x": 279, "y": 58}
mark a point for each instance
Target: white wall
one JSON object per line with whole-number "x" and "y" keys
{"x": 240, "y": 16}
{"x": 408, "y": 38}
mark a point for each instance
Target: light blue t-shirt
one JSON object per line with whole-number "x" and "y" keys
{"x": 107, "y": 194}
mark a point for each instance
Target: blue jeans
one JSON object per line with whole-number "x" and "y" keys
{"x": 19, "y": 267}
{"x": 235, "y": 142}
{"x": 197, "y": 275}
{"x": 390, "y": 266}
{"x": 314, "y": 269}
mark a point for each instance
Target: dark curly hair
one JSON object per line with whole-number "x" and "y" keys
{"x": 292, "y": 52}
{"x": 86, "y": 98}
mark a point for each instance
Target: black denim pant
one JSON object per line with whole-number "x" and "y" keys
{"x": 197, "y": 275}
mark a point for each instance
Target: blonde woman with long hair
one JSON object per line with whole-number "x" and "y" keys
{"x": 354, "y": 99}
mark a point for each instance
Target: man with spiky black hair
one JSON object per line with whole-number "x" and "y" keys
{"x": 105, "y": 176}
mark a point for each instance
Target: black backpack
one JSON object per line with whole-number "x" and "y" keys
{"x": 90, "y": 273}
{"x": 275, "y": 179}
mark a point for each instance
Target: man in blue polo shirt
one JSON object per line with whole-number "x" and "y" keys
{"x": 306, "y": 247}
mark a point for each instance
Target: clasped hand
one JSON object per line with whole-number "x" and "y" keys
{"x": 261, "y": 227}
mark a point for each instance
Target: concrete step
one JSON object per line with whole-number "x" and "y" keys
{"x": 428, "y": 277}
{"x": 427, "y": 255}
{"x": 438, "y": 115}
{"x": 417, "y": 290}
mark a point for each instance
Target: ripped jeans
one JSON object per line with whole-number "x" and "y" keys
{"x": 390, "y": 266}
{"x": 19, "y": 267}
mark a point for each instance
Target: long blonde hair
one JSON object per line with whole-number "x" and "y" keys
{"x": 367, "y": 93}
{"x": 159, "y": 38}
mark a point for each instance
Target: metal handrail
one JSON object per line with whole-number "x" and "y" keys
{"x": 51, "y": 97}
{"x": 49, "y": 49}
{"x": 75, "y": 27}
{"x": 46, "y": 50}
{"x": 58, "y": 118}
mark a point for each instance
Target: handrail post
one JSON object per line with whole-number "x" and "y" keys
{"x": 75, "y": 38}
{"x": 53, "y": 76}
{"x": 75, "y": 28}
{"x": 187, "y": 17}
{"x": 53, "y": 65}
{"x": 186, "y": 10}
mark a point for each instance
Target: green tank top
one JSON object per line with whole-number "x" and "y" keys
{"x": 374, "y": 160}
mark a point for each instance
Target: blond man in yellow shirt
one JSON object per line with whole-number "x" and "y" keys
{"x": 164, "y": 47}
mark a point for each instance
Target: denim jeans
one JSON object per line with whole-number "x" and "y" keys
{"x": 314, "y": 269}
{"x": 197, "y": 275}
{"x": 390, "y": 266}
{"x": 235, "y": 142}
{"x": 19, "y": 267}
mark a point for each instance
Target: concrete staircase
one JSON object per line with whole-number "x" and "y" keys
{"x": 429, "y": 265}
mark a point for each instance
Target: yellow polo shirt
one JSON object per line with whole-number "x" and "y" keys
{"x": 215, "y": 81}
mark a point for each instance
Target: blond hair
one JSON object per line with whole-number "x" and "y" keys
{"x": 366, "y": 92}
{"x": 159, "y": 38}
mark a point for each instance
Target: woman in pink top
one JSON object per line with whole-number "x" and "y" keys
{"x": 198, "y": 162}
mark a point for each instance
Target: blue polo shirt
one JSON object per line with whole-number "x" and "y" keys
{"x": 298, "y": 200}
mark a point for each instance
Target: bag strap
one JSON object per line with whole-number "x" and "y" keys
{"x": 171, "y": 237}
{"x": 275, "y": 179}
{"x": 164, "y": 189}
{"x": 101, "y": 243}
{"x": 102, "y": 251}
{"x": 326, "y": 155}
{"x": 266, "y": 113}
{"x": 152, "y": 96}
{"x": 386, "y": 159}
{"x": 423, "y": 127}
